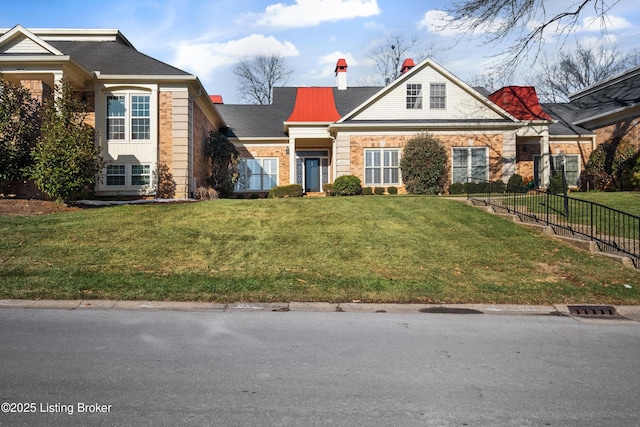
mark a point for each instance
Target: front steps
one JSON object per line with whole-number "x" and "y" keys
{"x": 574, "y": 240}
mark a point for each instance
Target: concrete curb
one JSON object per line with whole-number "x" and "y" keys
{"x": 630, "y": 312}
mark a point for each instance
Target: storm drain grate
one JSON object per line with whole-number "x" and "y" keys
{"x": 593, "y": 311}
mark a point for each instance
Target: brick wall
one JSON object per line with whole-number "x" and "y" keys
{"x": 165, "y": 134}
{"x": 38, "y": 89}
{"x": 278, "y": 151}
{"x": 201, "y": 129}
{"x": 493, "y": 141}
{"x": 627, "y": 129}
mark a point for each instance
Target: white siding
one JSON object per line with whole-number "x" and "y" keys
{"x": 460, "y": 104}
{"x": 23, "y": 45}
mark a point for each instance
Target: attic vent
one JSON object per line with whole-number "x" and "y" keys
{"x": 598, "y": 311}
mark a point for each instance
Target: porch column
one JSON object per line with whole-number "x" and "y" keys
{"x": 334, "y": 162}
{"x": 545, "y": 157}
{"x": 292, "y": 160}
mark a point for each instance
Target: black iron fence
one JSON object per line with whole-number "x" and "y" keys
{"x": 613, "y": 230}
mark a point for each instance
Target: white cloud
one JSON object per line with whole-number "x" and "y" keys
{"x": 310, "y": 13}
{"x": 610, "y": 23}
{"x": 202, "y": 59}
{"x": 327, "y": 64}
{"x": 435, "y": 21}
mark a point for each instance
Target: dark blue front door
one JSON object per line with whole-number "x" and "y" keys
{"x": 311, "y": 175}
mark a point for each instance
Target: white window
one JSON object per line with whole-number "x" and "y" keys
{"x": 259, "y": 174}
{"x": 470, "y": 162}
{"x": 414, "y": 96}
{"x": 140, "y": 174}
{"x": 128, "y": 117}
{"x": 381, "y": 166}
{"x": 128, "y": 175}
{"x": 437, "y": 96}
{"x": 571, "y": 165}
{"x": 116, "y": 175}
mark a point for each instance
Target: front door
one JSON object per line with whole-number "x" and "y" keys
{"x": 311, "y": 175}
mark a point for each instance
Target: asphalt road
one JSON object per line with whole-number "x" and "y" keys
{"x": 131, "y": 367}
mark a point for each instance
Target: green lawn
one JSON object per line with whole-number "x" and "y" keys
{"x": 368, "y": 248}
{"x": 625, "y": 201}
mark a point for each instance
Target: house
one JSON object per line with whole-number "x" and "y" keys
{"x": 607, "y": 111}
{"x": 311, "y": 135}
{"x": 146, "y": 113}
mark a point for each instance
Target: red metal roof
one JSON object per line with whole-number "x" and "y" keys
{"x": 216, "y": 99}
{"x": 314, "y": 104}
{"x": 521, "y": 102}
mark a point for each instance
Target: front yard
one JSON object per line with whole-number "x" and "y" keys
{"x": 368, "y": 248}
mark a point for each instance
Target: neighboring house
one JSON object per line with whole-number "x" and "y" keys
{"x": 146, "y": 113}
{"x": 608, "y": 111}
{"x": 311, "y": 135}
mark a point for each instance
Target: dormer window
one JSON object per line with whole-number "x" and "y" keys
{"x": 414, "y": 96}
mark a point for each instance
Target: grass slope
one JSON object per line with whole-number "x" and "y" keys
{"x": 372, "y": 249}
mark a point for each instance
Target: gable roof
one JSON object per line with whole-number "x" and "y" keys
{"x": 103, "y": 51}
{"x": 521, "y": 101}
{"x": 427, "y": 63}
{"x": 19, "y": 40}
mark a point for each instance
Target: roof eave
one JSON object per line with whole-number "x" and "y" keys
{"x": 422, "y": 126}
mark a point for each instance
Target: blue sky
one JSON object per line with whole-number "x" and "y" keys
{"x": 207, "y": 38}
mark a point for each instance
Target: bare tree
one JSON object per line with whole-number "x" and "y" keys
{"x": 572, "y": 71}
{"x": 258, "y": 75}
{"x": 526, "y": 20}
{"x": 389, "y": 55}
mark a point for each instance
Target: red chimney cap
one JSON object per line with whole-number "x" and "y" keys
{"x": 341, "y": 66}
{"x": 216, "y": 99}
{"x": 407, "y": 65}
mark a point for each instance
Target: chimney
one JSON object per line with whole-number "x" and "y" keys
{"x": 341, "y": 74}
{"x": 407, "y": 65}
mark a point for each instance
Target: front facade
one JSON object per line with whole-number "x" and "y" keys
{"x": 148, "y": 115}
{"x": 312, "y": 135}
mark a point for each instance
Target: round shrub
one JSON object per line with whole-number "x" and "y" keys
{"x": 555, "y": 184}
{"x": 347, "y": 185}
{"x": 367, "y": 191}
{"x": 392, "y": 190}
{"x": 378, "y": 191}
{"x": 516, "y": 184}
{"x": 328, "y": 189}
{"x": 293, "y": 190}
{"x": 424, "y": 165}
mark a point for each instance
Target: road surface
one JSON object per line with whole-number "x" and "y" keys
{"x": 133, "y": 367}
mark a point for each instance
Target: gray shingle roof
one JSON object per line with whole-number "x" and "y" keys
{"x": 614, "y": 94}
{"x": 250, "y": 121}
{"x": 114, "y": 57}
{"x": 565, "y": 114}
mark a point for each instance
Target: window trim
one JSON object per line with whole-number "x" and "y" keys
{"x": 440, "y": 99}
{"x": 130, "y": 116}
{"x": 128, "y": 176}
{"x": 552, "y": 169}
{"x": 261, "y": 160}
{"x": 382, "y": 167}
{"x": 470, "y": 163}
{"x": 414, "y": 98}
